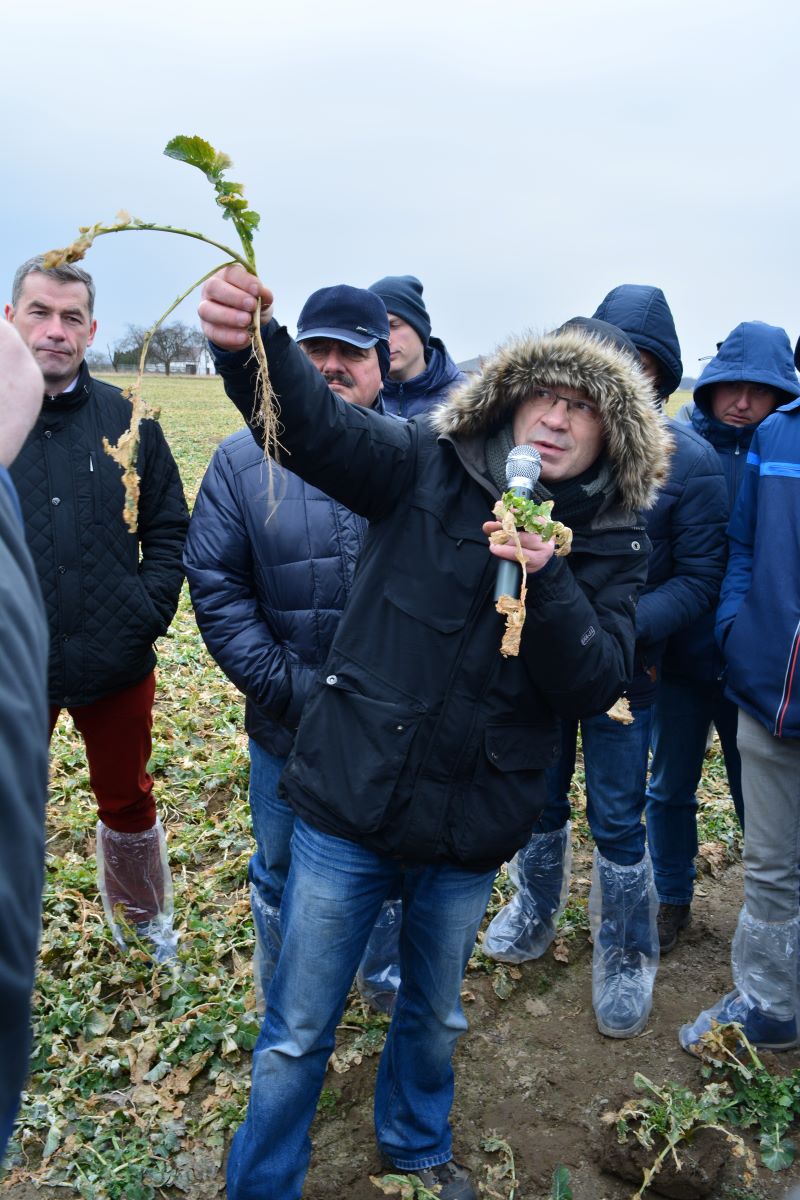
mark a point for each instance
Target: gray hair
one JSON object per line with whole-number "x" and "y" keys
{"x": 68, "y": 273}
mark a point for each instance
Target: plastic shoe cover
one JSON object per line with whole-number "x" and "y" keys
{"x": 134, "y": 881}
{"x": 623, "y": 906}
{"x": 764, "y": 961}
{"x": 526, "y": 926}
{"x": 378, "y": 975}
{"x": 733, "y": 1007}
{"x": 267, "y": 925}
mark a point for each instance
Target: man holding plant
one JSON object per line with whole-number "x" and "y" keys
{"x": 420, "y": 758}
{"x": 109, "y": 593}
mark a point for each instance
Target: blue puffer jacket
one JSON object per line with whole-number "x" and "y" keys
{"x": 759, "y": 613}
{"x": 687, "y": 524}
{"x": 425, "y": 391}
{"x": 268, "y": 593}
{"x": 758, "y": 353}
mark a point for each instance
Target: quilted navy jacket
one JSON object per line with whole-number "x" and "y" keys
{"x": 108, "y": 593}
{"x": 268, "y": 594}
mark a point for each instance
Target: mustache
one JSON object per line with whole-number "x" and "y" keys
{"x": 339, "y": 377}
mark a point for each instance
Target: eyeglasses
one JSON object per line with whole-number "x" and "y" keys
{"x": 542, "y": 399}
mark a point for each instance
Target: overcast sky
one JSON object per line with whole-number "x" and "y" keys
{"x": 521, "y": 157}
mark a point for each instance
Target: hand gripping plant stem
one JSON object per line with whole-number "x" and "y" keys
{"x": 229, "y": 196}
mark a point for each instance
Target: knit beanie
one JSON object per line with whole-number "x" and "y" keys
{"x": 402, "y": 295}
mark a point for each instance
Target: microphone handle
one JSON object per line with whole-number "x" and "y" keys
{"x": 508, "y": 579}
{"x": 509, "y": 571}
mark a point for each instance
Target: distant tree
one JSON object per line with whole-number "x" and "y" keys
{"x": 175, "y": 343}
{"x": 98, "y": 360}
{"x": 126, "y": 350}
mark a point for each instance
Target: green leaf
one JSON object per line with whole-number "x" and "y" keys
{"x": 561, "y": 1189}
{"x": 777, "y": 1153}
{"x": 198, "y": 153}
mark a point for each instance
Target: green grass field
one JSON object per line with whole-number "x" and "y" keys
{"x": 139, "y": 1071}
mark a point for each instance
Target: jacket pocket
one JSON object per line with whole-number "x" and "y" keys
{"x": 352, "y": 744}
{"x": 507, "y": 792}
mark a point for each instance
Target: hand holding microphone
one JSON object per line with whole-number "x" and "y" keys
{"x": 523, "y": 467}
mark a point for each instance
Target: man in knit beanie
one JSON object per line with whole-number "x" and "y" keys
{"x": 421, "y": 371}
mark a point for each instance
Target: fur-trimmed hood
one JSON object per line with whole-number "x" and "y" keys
{"x": 638, "y": 441}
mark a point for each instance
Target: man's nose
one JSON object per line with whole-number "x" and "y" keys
{"x": 557, "y": 415}
{"x": 743, "y": 397}
{"x": 333, "y": 361}
{"x": 54, "y": 328}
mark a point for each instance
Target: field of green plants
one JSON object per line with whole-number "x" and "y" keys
{"x": 140, "y": 1072}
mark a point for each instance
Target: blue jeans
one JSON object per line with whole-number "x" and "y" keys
{"x": 273, "y": 822}
{"x": 615, "y": 764}
{"x": 683, "y": 712}
{"x": 333, "y": 895}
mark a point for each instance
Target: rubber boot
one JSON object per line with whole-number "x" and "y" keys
{"x": 267, "y": 926}
{"x": 526, "y": 926}
{"x": 136, "y": 887}
{"x": 378, "y": 975}
{"x": 623, "y": 904}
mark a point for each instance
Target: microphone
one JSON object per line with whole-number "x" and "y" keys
{"x": 523, "y": 467}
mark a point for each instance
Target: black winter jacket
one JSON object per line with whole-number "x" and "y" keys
{"x": 108, "y": 593}
{"x": 268, "y": 594}
{"x": 420, "y": 740}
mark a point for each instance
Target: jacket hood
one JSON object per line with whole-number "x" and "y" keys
{"x": 638, "y": 442}
{"x": 643, "y": 313}
{"x": 755, "y": 352}
{"x": 797, "y": 355}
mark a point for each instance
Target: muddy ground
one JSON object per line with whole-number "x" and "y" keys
{"x": 534, "y": 1069}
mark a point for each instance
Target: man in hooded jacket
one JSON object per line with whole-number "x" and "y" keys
{"x": 751, "y": 374}
{"x": 686, "y": 527}
{"x": 758, "y": 628}
{"x": 420, "y": 758}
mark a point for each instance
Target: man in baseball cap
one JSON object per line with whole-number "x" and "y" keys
{"x": 268, "y": 595}
{"x": 345, "y": 332}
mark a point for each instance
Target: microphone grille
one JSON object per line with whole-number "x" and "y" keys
{"x": 523, "y": 462}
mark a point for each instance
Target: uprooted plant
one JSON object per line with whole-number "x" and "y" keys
{"x": 229, "y": 196}
{"x": 668, "y": 1115}
{"x": 741, "y": 1092}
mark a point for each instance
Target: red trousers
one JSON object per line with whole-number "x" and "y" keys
{"x": 117, "y": 734}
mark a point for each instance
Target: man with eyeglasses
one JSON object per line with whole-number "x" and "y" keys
{"x": 420, "y": 759}
{"x": 687, "y": 530}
